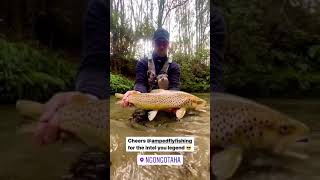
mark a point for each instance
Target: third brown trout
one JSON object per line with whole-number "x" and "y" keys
{"x": 240, "y": 125}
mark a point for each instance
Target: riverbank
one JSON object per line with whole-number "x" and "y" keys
{"x": 28, "y": 72}
{"x": 37, "y": 73}
{"x": 31, "y": 73}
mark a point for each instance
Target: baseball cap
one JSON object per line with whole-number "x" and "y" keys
{"x": 161, "y": 34}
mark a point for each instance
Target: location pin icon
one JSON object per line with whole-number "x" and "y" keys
{"x": 141, "y": 159}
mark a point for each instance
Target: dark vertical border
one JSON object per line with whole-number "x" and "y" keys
{"x": 211, "y": 85}
{"x": 217, "y": 49}
{"x": 212, "y": 4}
{"x": 108, "y": 84}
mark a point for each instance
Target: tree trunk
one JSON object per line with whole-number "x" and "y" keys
{"x": 161, "y": 4}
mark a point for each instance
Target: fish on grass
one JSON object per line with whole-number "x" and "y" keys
{"x": 85, "y": 118}
{"x": 160, "y": 99}
{"x": 239, "y": 126}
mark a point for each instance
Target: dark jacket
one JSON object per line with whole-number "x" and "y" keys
{"x": 141, "y": 83}
{"x": 93, "y": 73}
{"x": 218, "y": 35}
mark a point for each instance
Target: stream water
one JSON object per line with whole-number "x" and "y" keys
{"x": 21, "y": 159}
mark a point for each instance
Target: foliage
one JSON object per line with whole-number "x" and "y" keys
{"x": 29, "y": 73}
{"x": 273, "y": 48}
{"x": 195, "y": 73}
{"x": 120, "y": 84}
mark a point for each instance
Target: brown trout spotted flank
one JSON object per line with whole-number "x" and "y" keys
{"x": 160, "y": 99}
{"x": 240, "y": 125}
{"x": 83, "y": 117}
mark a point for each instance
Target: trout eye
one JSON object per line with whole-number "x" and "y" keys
{"x": 284, "y": 130}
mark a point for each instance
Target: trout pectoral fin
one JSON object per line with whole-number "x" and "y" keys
{"x": 181, "y": 112}
{"x": 152, "y": 115}
{"x": 226, "y": 162}
{"x": 295, "y": 155}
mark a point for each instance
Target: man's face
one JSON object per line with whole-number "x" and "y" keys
{"x": 161, "y": 47}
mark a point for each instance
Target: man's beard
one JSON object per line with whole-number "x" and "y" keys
{"x": 162, "y": 54}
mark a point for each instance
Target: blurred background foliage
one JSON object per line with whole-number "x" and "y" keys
{"x": 41, "y": 43}
{"x": 273, "y": 47}
{"x": 29, "y": 73}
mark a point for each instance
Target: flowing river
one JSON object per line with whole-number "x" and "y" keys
{"x": 21, "y": 159}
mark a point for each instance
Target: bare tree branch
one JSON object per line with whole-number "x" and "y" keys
{"x": 173, "y": 7}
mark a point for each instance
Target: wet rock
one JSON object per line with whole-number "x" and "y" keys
{"x": 91, "y": 165}
{"x": 139, "y": 116}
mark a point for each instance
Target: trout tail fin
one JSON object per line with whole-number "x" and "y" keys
{"x": 30, "y": 109}
{"x": 119, "y": 96}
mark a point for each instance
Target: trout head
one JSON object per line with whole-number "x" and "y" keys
{"x": 284, "y": 133}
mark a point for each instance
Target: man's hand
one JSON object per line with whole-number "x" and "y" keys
{"x": 48, "y": 127}
{"x": 125, "y": 99}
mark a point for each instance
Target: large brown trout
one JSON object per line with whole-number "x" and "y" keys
{"x": 85, "y": 118}
{"x": 239, "y": 125}
{"x": 160, "y": 99}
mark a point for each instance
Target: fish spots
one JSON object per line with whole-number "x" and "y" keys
{"x": 260, "y": 123}
{"x": 284, "y": 130}
{"x": 252, "y": 134}
{"x": 85, "y": 118}
{"x": 234, "y": 123}
{"x": 244, "y": 130}
{"x": 162, "y": 100}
